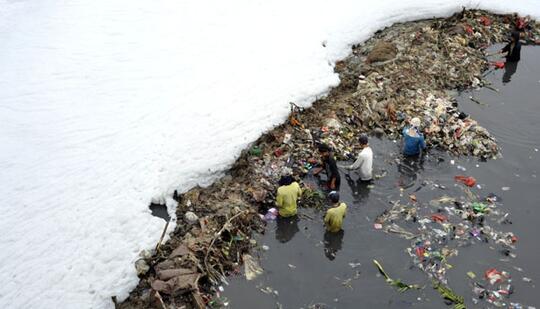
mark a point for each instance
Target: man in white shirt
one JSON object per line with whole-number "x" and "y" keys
{"x": 364, "y": 162}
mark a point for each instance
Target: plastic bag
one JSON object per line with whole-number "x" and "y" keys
{"x": 251, "y": 267}
{"x": 468, "y": 181}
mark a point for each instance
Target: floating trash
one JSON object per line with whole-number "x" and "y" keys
{"x": 402, "y": 287}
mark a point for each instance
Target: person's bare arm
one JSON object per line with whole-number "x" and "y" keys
{"x": 357, "y": 164}
{"x": 332, "y": 184}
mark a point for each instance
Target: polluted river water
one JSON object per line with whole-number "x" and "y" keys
{"x": 304, "y": 267}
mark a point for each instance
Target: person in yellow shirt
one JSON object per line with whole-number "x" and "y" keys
{"x": 288, "y": 193}
{"x": 334, "y": 216}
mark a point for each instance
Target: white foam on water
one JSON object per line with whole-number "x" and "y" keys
{"x": 107, "y": 105}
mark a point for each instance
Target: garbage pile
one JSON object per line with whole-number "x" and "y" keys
{"x": 412, "y": 79}
{"x": 404, "y": 71}
{"x": 211, "y": 241}
{"x": 439, "y": 228}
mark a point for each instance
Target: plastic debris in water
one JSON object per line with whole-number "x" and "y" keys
{"x": 271, "y": 214}
{"x": 493, "y": 276}
{"x": 479, "y": 207}
{"x": 468, "y": 181}
{"x": 498, "y": 64}
{"x": 251, "y": 267}
{"x": 475, "y": 232}
{"x": 438, "y": 218}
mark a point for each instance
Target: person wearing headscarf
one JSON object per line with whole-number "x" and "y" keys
{"x": 413, "y": 139}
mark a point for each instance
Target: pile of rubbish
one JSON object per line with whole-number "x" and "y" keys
{"x": 438, "y": 228}
{"x": 412, "y": 78}
{"x": 211, "y": 241}
{"x": 404, "y": 71}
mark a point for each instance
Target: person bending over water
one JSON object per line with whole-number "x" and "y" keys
{"x": 329, "y": 165}
{"x": 288, "y": 193}
{"x": 414, "y": 142}
{"x": 512, "y": 52}
{"x": 513, "y": 49}
{"x": 364, "y": 162}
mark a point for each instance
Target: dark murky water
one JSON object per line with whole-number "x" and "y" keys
{"x": 306, "y": 266}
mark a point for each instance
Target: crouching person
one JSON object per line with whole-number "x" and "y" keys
{"x": 334, "y": 216}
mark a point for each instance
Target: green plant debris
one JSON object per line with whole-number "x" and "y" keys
{"x": 401, "y": 286}
{"x": 448, "y": 294}
{"x": 312, "y": 198}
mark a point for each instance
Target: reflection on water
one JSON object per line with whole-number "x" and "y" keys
{"x": 360, "y": 189}
{"x": 509, "y": 69}
{"x": 333, "y": 243}
{"x": 286, "y": 228}
{"x": 408, "y": 168}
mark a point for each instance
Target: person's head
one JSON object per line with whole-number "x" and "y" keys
{"x": 286, "y": 180}
{"x": 363, "y": 140}
{"x": 324, "y": 150}
{"x": 333, "y": 197}
{"x": 415, "y": 122}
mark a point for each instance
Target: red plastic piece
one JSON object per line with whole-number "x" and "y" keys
{"x": 439, "y": 218}
{"x": 468, "y": 181}
{"x": 420, "y": 253}
{"x": 494, "y": 276}
{"x": 498, "y": 64}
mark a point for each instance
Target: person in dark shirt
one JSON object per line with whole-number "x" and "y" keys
{"x": 329, "y": 165}
{"x": 513, "y": 55}
{"x": 513, "y": 49}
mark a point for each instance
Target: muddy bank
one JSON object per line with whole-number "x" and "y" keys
{"x": 404, "y": 71}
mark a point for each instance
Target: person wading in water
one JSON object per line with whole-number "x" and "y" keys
{"x": 414, "y": 142}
